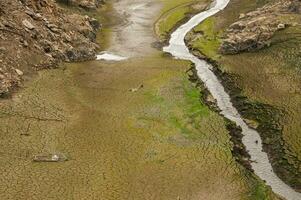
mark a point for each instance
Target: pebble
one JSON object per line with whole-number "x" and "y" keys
{"x": 19, "y": 72}
{"x": 2, "y": 49}
{"x": 28, "y": 25}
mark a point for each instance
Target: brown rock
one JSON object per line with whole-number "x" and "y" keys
{"x": 28, "y": 24}
{"x": 255, "y": 29}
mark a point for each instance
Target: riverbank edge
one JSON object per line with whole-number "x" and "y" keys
{"x": 268, "y": 125}
{"x": 162, "y": 42}
{"x": 239, "y": 152}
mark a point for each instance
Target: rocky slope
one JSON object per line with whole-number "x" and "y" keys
{"x": 88, "y": 4}
{"x": 38, "y": 34}
{"x": 255, "y": 29}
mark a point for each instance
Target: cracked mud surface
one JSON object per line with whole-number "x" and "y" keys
{"x": 122, "y": 145}
{"x": 160, "y": 142}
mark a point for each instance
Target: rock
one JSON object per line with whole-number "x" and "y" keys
{"x": 51, "y": 34}
{"x": 94, "y": 23}
{"x": 19, "y": 72}
{"x": 54, "y": 28}
{"x": 211, "y": 100}
{"x": 27, "y": 24}
{"x": 38, "y": 16}
{"x": 25, "y": 43}
{"x": 254, "y": 30}
{"x": 242, "y": 15}
{"x": 238, "y": 26}
{"x": 281, "y": 26}
{"x": 88, "y": 4}
{"x": 2, "y": 49}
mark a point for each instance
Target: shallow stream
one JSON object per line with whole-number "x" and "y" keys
{"x": 261, "y": 165}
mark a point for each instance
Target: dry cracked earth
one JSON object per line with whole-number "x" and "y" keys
{"x": 160, "y": 142}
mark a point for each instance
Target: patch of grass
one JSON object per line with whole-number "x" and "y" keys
{"x": 171, "y": 4}
{"x": 260, "y": 191}
{"x": 192, "y": 111}
{"x": 209, "y": 40}
{"x": 192, "y": 100}
{"x": 173, "y": 13}
{"x": 168, "y": 22}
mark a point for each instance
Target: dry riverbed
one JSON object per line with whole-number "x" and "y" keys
{"x": 157, "y": 142}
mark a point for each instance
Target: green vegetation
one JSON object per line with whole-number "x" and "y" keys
{"x": 175, "y": 12}
{"x": 208, "y": 40}
{"x": 269, "y": 79}
{"x": 260, "y": 192}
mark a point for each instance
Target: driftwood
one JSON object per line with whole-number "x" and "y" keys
{"x": 50, "y": 158}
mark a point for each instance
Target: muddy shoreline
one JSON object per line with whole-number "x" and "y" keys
{"x": 239, "y": 151}
{"x": 268, "y": 125}
{"x": 160, "y": 43}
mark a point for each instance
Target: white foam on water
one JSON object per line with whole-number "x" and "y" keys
{"x": 261, "y": 165}
{"x": 110, "y": 57}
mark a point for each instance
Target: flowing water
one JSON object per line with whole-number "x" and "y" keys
{"x": 109, "y": 57}
{"x": 261, "y": 165}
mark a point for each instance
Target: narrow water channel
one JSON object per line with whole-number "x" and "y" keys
{"x": 261, "y": 165}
